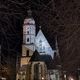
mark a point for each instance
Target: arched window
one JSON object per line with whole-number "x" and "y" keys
{"x": 36, "y": 70}
{"x": 27, "y": 39}
{"x": 27, "y": 32}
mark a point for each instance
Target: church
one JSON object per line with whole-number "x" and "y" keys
{"x": 35, "y": 49}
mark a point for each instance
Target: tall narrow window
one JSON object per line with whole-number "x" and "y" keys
{"x": 27, "y": 32}
{"x": 37, "y": 73}
{"x": 27, "y": 39}
{"x": 27, "y": 53}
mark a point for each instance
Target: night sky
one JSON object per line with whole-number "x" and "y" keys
{"x": 59, "y": 18}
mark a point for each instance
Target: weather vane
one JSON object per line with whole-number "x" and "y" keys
{"x": 29, "y": 11}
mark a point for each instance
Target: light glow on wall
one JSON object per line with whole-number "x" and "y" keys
{"x": 70, "y": 78}
{"x": 42, "y": 78}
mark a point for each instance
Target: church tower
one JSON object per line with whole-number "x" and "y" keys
{"x": 29, "y": 33}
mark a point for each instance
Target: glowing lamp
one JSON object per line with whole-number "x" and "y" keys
{"x": 42, "y": 78}
{"x": 64, "y": 75}
{"x": 71, "y": 78}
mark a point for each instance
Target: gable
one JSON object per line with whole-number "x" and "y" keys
{"x": 42, "y": 45}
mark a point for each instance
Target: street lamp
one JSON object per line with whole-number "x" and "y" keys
{"x": 65, "y": 76}
{"x": 70, "y": 78}
{"x": 42, "y": 78}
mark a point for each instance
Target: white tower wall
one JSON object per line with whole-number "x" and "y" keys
{"x": 28, "y": 47}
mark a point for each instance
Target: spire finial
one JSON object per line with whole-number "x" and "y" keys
{"x": 40, "y": 27}
{"x": 29, "y": 12}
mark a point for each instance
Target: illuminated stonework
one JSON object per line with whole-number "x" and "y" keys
{"x": 28, "y": 46}
{"x": 42, "y": 45}
{"x": 31, "y": 42}
{"x": 33, "y": 71}
{"x": 29, "y": 69}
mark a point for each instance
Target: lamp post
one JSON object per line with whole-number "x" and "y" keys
{"x": 78, "y": 73}
{"x": 64, "y": 72}
{"x": 42, "y": 78}
{"x": 65, "y": 76}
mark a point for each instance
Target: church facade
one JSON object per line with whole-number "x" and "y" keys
{"x": 33, "y": 69}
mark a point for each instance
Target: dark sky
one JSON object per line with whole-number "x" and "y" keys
{"x": 57, "y": 17}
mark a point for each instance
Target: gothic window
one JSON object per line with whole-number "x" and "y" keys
{"x": 36, "y": 70}
{"x": 40, "y": 41}
{"x": 27, "y": 32}
{"x": 40, "y": 45}
{"x": 27, "y": 53}
{"x": 43, "y": 48}
{"x": 27, "y": 39}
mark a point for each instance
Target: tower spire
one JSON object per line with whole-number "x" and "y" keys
{"x": 57, "y": 49}
{"x": 39, "y": 27}
{"x": 29, "y": 12}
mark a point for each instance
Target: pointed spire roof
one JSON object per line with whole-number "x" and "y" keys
{"x": 57, "y": 49}
{"x": 29, "y": 19}
{"x": 29, "y": 12}
{"x": 35, "y": 56}
{"x": 45, "y": 58}
{"x": 39, "y": 27}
